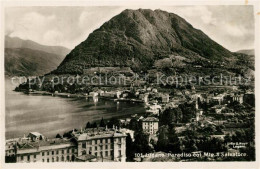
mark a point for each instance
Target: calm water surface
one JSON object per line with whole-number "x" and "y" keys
{"x": 51, "y": 115}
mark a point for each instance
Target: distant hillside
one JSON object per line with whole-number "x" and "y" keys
{"x": 139, "y": 38}
{"x": 28, "y": 62}
{"x": 28, "y": 58}
{"x": 247, "y": 51}
{"x": 15, "y": 42}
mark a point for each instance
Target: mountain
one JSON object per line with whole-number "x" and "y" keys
{"x": 15, "y": 42}
{"x": 28, "y": 58}
{"x": 139, "y": 39}
{"x": 247, "y": 51}
{"x": 28, "y": 62}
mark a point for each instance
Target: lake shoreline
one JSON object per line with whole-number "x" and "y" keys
{"x": 51, "y": 115}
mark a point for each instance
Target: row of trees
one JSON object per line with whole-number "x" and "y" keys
{"x": 181, "y": 114}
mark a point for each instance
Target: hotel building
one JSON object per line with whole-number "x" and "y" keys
{"x": 96, "y": 144}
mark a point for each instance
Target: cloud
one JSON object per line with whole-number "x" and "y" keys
{"x": 33, "y": 26}
{"x": 231, "y": 26}
{"x": 53, "y": 37}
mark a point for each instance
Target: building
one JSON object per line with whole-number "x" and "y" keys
{"x": 34, "y": 136}
{"x": 150, "y": 125}
{"x": 249, "y": 98}
{"x": 154, "y": 109}
{"x": 85, "y": 145}
{"x": 108, "y": 94}
{"x": 165, "y": 98}
{"x": 10, "y": 147}
{"x": 105, "y": 144}
{"x": 218, "y": 99}
{"x": 238, "y": 98}
{"x": 54, "y": 150}
{"x": 144, "y": 97}
{"x": 128, "y": 131}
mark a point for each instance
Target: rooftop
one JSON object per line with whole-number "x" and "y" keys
{"x": 36, "y": 134}
{"x": 43, "y": 143}
{"x": 95, "y": 133}
{"x": 151, "y": 119}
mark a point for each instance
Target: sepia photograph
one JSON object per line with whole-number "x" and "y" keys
{"x": 129, "y": 83}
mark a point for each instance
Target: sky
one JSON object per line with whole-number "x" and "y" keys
{"x": 230, "y": 26}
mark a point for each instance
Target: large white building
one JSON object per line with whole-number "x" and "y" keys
{"x": 150, "y": 125}
{"x": 105, "y": 144}
{"x": 96, "y": 144}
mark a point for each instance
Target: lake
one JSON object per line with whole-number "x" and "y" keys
{"x": 51, "y": 115}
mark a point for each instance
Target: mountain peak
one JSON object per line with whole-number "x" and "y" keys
{"x": 137, "y": 38}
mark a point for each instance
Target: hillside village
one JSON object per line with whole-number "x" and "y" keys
{"x": 180, "y": 121}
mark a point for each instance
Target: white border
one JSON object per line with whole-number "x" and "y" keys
{"x": 145, "y": 3}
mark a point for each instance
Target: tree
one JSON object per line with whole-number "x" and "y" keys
{"x": 58, "y": 136}
{"x": 141, "y": 144}
{"x": 168, "y": 140}
{"x": 40, "y": 137}
{"x": 102, "y": 123}
{"x": 189, "y": 111}
{"x": 190, "y": 144}
{"x": 113, "y": 122}
{"x": 171, "y": 115}
{"x": 135, "y": 125}
{"x": 162, "y": 143}
{"x": 166, "y": 117}
{"x": 88, "y": 125}
{"x": 94, "y": 125}
{"x": 129, "y": 148}
{"x": 174, "y": 142}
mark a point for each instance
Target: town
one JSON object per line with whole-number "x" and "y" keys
{"x": 193, "y": 119}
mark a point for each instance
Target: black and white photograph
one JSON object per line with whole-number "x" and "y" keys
{"x": 129, "y": 83}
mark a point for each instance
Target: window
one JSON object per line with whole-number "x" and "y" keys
{"x": 48, "y": 160}
{"x": 106, "y": 147}
{"x": 106, "y": 153}
{"x": 48, "y": 153}
{"x": 42, "y": 153}
{"x": 52, "y": 152}
{"x": 106, "y": 140}
{"x": 62, "y": 158}
{"x": 57, "y": 159}
{"x": 95, "y": 147}
{"x": 57, "y": 152}
{"x": 90, "y": 148}
{"x": 119, "y": 146}
{"x": 62, "y": 151}
{"x": 95, "y": 153}
{"x": 119, "y": 152}
{"x": 119, "y": 140}
{"x": 95, "y": 141}
{"x": 52, "y": 159}
{"x": 84, "y": 152}
{"x": 83, "y": 145}
{"x": 42, "y": 160}
{"x": 68, "y": 158}
{"x": 34, "y": 155}
{"x": 28, "y": 158}
{"x": 73, "y": 150}
{"x": 68, "y": 150}
{"x": 21, "y": 157}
